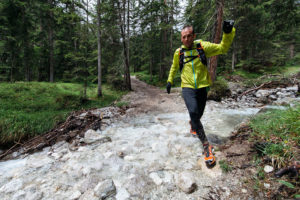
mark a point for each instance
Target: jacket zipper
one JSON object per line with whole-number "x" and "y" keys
{"x": 193, "y": 70}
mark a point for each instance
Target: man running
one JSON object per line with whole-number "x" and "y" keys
{"x": 195, "y": 79}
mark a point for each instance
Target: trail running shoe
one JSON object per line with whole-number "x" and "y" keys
{"x": 209, "y": 157}
{"x": 193, "y": 132}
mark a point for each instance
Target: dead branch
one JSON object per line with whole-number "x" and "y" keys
{"x": 254, "y": 89}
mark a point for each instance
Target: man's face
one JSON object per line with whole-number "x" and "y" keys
{"x": 187, "y": 37}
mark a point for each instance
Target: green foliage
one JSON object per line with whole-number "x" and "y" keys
{"x": 218, "y": 90}
{"x": 29, "y": 109}
{"x": 225, "y": 166}
{"x": 287, "y": 184}
{"x": 122, "y": 104}
{"x": 260, "y": 173}
{"x": 280, "y": 130}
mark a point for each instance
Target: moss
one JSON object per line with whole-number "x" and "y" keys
{"x": 219, "y": 90}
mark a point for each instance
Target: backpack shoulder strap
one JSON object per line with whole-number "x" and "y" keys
{"x": 201, "y": 54}
{"x": 181, "y": 58}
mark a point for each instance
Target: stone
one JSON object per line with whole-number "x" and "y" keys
{"x": 268, "y": 168}
{"x": 185, "y": 181}
{"x": 267, "y": 185}
{"x": 293, "y": 88}
{"x": 12, "y": 186}
{"x": 105, "y": 189}
{"x": 75, "y": 195}
{"x": 88, "y": 195}
{"x": 244, "y": 190}
{"x": 273, "y": 97}
{"x": 122, "y": 194}
{"x": 263, "y": 100}
{"x": 34, "y": 196}
{"x": 19, "y": 195}
{"x": 156, "y": 179}
{"x": 263, "y": 93}
{"x": 92, "y": 136}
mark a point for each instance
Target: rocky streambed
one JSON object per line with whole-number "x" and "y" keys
{"x": 147, "y": 153}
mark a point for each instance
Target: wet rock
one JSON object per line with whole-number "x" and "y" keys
{"x": 92, "y": 136}
{"x": 263, "y": 99}
{"x": 122, "y": 194}
{"x": 293, "y": 88}
{"x": 268, "y": 168}
{"x": 273, "y": 97}
{"x": 185, "y": 181}
{"x": 105, "y": 189}
{"x": 263, "y": 93}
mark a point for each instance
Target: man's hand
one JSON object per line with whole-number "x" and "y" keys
{"x": 227, "y": 26}
{"x": 168, "y": 87}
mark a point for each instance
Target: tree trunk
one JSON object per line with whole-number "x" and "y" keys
{"x": 233, "y": 61}
{"x": 128, "y": 36}
{"x": 126, "y": 66}
{"x": 50, "y": 39}
{"x": 217, "y": 37}
{"x": 292, "y": 50}
{"x": 171, "y": 29}
{"x": 162, "y": 72}
{"x": 99, "y": 92}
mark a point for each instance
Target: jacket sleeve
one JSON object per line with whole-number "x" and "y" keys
{"x": 212, "y": 49}
{"x": 174, "y": 67}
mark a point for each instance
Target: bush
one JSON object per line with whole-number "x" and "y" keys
{"x": 218, "y": 90}
{"x": 117, "y": 82}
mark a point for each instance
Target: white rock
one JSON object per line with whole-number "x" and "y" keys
{"x": 185, "y": 181}
{"x": 105, "y": 189}
{"x": 244, "y": 190}
{"x": 12, "y": 186}
{"x": 34, "y": 196}
{"x": 268, "y": 168}
{"x": 263, "y": 93}
{"x": 294, "y": 88}
{"x": 75, "y": 195}
{"x": 122, "y": 194}
{"x": 267, "y": 185}
{"x": 88, "y": 195}
{"x": 19, "y": 195}
{"x": 156, "y": 179}
{"x": 92, "y": 136}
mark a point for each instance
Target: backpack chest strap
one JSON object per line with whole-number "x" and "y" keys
{"x": 201, "y": 56}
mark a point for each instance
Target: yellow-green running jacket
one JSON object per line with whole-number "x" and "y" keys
{"x": 194, "y": 74}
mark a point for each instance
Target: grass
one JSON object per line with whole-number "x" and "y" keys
{"x": 225, "y": 166}
{"x": 156, "y": 81}
{"x": 280, "y": 131}
{"x": 257, "y": 78}
{"x": 31, "y": 108}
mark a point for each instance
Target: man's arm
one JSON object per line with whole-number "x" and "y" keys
{"x": 174, "y": 67}
{"x": 212, "y": 49}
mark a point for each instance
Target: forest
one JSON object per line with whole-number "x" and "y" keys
{"x": 105, "y": 41}
{"x": 84, "y": 111}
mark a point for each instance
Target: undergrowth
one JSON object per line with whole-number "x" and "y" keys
{"x": 31, "y": 108}
{"x": 278, "y": 133}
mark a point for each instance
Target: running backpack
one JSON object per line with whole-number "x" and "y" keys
{"x": 201, "y": 55}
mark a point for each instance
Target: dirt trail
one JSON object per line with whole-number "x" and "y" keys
{"x": 145, "y": 98}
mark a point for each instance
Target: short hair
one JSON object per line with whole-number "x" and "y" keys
{"x": 188, "y": 26}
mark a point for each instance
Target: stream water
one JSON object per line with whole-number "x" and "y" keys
{"x": 144, "y": 159}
